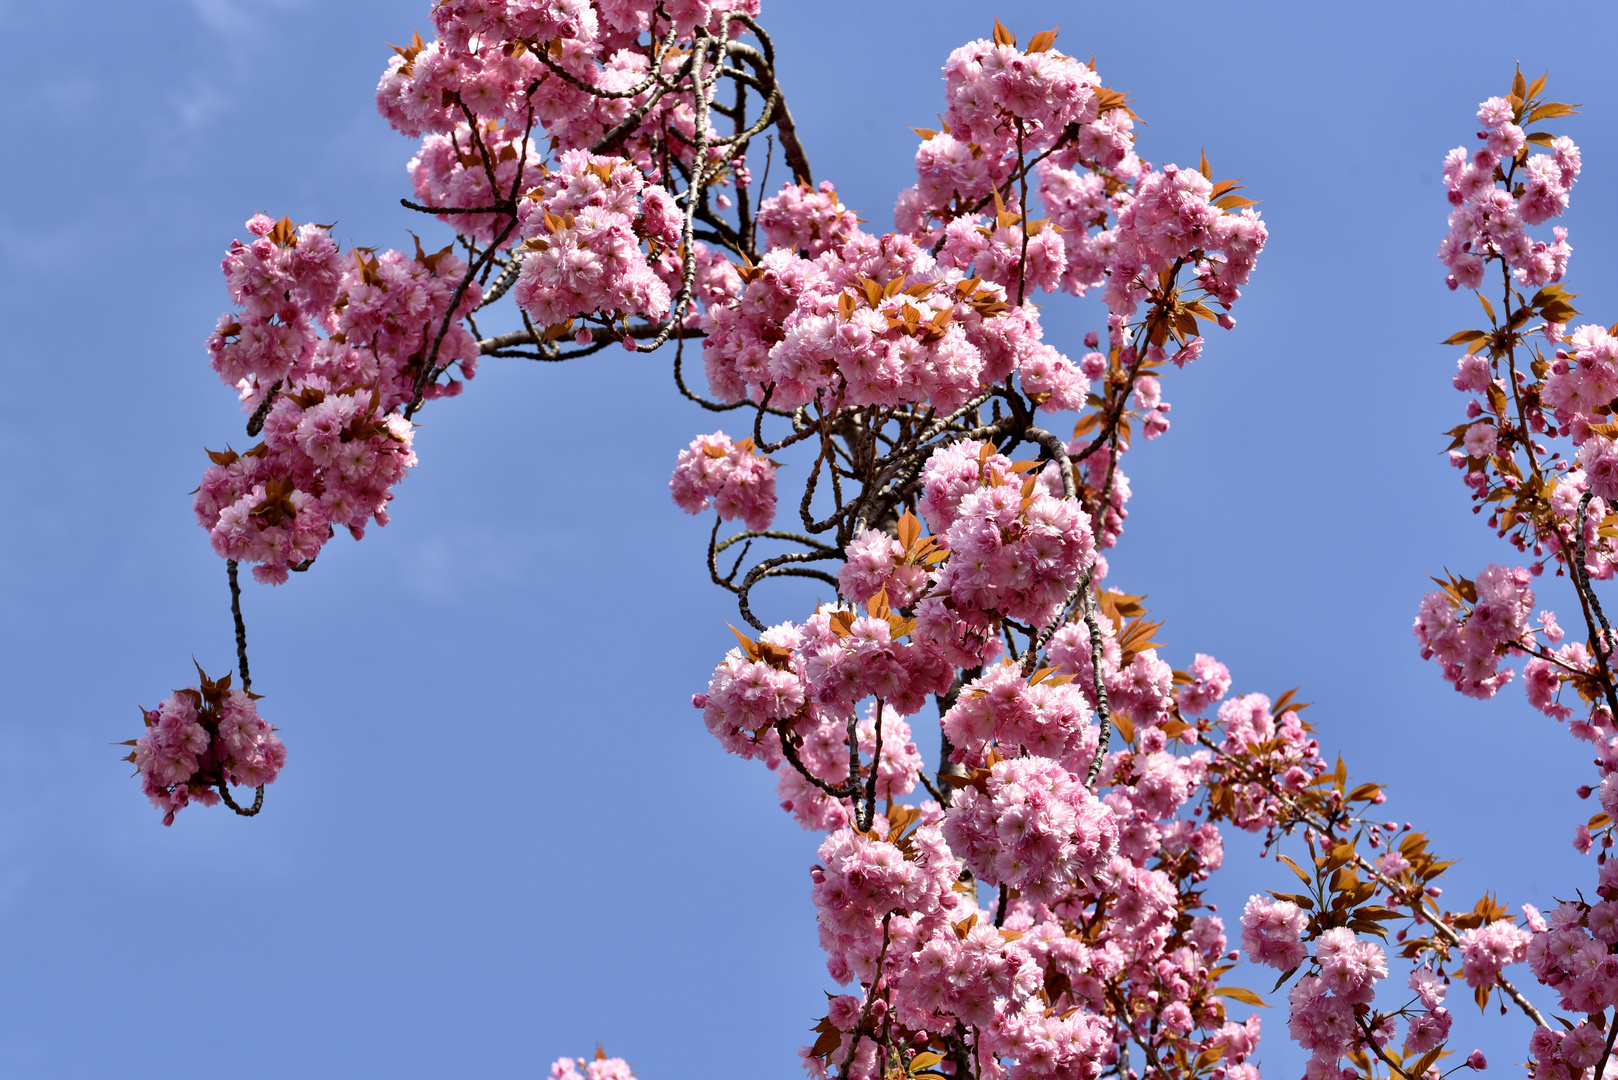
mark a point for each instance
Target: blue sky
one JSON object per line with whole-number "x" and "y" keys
{"x": 503, "y": 835}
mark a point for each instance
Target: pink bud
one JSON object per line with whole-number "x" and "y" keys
{"x": 1477, "y": 1061}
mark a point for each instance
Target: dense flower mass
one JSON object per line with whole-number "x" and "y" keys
{"x": 1025, "y": 897}
{"x": 1272, "y": 933}
{"x": 200, "y": 738}
{"x": 713, "y": 471}
{"x": 582, "y": 229}
{"x": 1015, "y": 549}
{"x": 1489, "y": 221}
{"x": 1033, "y": 826}
{"x": 1469, "y": 643}
{"x": 335, "y": 440}
{"x": 1034, "y": 906}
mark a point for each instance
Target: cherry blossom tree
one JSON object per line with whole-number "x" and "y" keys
{"x": 1023, "y": 894}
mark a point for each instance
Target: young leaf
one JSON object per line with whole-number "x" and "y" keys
{"x": 1296, "y": 869}
{"x": 878, "y": 605}
{"x": 1245, "y": 996}
{"x": 1551, "y": 110}
{"x": 909, "y": 530}
{"x": 1126, "y": 726}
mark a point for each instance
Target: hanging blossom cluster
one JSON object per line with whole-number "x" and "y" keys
{"x": 201, "y": 738}
{"x": 1033, "y": 826}
{"x": 873, "y": 321}
{"x": 891, "y": 907}
{"x": 715, "y": 472}
{"x": 327, "y": 351}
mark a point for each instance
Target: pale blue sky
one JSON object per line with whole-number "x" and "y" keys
{"x": 503, "y": 835}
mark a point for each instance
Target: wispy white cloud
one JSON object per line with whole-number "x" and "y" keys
{"x": 236, "y": 17}
{"x": 446, "y": 566}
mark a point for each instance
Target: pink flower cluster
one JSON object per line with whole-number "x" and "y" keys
{"x": 807, "y": 220}
{"x": 943, "y": 963}
{"x": 448, "y": 171}
{"x": 1350, "y": 967}
{"x": 1172, "y": 218}
{"x": 1469, "y": 644}
{"x": 1566, "y": 1053}
{"x": 601, "y": 1067}
{"x": 285, "y": 283}
{"x": 1283, "y": 748}
{"x": 1430, "y": 1027}
{"x": 1006, "y": 106}
{"x": 1583, "y": 376}
{"x": 486, "y": 61}
{"x": 1002, "y": 103}
{"x": 1322, "y": 1007}
{"x": 334, "y": 445}
{"x": 876, "y": 562}
{"x": 1142, "y": 687}
{"x": 713, "y": 471}
{"x": 199, "y": 738}
{"x": 1027, "y": 821}
{"x": 1272, "y": 933}
{"x": 581, "y": 250}
{"x": 831, "y": 663}
{"x": 862, "y": 881}
{"x": 873, "y": 321}
{"x": 1210, "y": 681}
{"x": 824, "y": 752}
{"x": 1488, "y": 220}
{"x": 1034, "y": 826}
{"x": 1571, "y": 955}
{"x": 1486, "y": 949}
{"x": 995, "y": 92}
{"x": 1015, "y": 549}
{"x": 1051, "y": 719}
